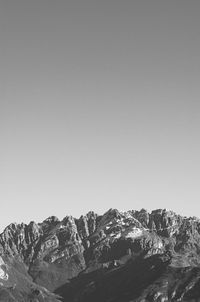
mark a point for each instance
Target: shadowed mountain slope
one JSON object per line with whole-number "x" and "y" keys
{"x": 118, "y": 256}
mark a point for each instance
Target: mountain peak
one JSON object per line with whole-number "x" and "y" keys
{"x": 53, "y": 252}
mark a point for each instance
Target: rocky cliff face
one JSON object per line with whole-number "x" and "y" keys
{"x": 112, "y": 254}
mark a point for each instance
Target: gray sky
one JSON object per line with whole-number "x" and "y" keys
{"x": 99, "y": 107}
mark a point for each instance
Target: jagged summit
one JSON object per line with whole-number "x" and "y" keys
{"x": 45, "y": 256}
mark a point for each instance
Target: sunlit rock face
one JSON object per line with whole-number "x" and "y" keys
{"x": 3, "y": 268}
{"x": 54, "y": 252}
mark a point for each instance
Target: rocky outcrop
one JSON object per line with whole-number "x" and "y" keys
{"x": 48, "y": 255}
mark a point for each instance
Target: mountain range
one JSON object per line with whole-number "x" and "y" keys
{"x": 132, "y": 256}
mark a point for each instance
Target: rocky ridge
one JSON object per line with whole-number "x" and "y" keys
{"x": 59, "y": 255}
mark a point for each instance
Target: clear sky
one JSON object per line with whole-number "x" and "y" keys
{"x": 99, "y": 107}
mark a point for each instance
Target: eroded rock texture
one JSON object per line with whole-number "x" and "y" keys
{"x": 118, "y": 256}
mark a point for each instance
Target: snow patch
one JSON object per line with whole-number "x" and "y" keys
{"x": 160, "y": 245}
{"x": 117, "y": 235}
{"x": 3, "y": 274}
{"x": 134, "y": 233}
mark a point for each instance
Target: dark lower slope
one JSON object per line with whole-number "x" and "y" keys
{"x": 32, "y": 293}
{"x": 175, "y": 284}
{"x": 17, "y": 286}
{"x": 52, "y": 275}
{"x": 119, "y": 284}
{"x": 151, "y": 279}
